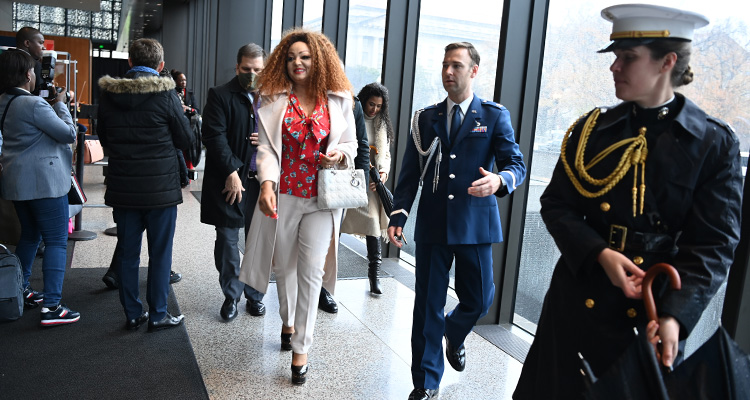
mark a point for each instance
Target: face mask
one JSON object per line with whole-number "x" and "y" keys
{"x": 248, "y": 80}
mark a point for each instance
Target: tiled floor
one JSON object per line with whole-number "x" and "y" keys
{"x": 363, "y": 352}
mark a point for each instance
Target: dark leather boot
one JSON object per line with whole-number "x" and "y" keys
{"x": 374, "y": 259}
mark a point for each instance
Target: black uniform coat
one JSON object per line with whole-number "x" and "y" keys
{"x": 228, "y": 121}
{"x": 690, "y": 219}
{"x": 141, "y": 123}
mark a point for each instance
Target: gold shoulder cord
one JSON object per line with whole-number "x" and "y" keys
{"x": 634, "y": 155}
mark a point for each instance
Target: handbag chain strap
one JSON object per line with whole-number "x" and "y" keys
{"x": 429, "y": 153}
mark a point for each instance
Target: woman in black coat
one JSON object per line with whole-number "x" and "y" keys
{"x": 653, "y": 179}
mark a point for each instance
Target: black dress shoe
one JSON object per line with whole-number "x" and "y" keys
{"x": 174, "y": 277}
{"x": 423, "y": 394}
{"x": 229, "y": 309}
{"x": 456, "y": 356}
{"x": 299, "y": 374}
{"x": 256, "y": 308}
{"x": 110, "y": 279}
{"x": 327, "y": 303}
{"x": 167, "y": 322}
{"x": 135, "y": 323}
{"x": 286, "y": 341}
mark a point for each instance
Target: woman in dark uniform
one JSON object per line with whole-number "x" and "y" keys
{"x": 653, "y": 179}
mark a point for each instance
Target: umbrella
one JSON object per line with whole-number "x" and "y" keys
{"x": 386, "y": 197}
{"x": 717, "y": 370}
{"x": 195, "y": 149}
{"x": 636, "y": 374}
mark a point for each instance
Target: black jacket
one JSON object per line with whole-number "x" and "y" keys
{"x": 228, "y": 121}
{"x": 691, "y": 219}
{"x": 141, "y": 122}
{"x": 362, "y": 160}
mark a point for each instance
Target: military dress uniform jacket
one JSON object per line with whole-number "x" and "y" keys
{"x": 690, "y": 219}
{"x": 449, "y": 215}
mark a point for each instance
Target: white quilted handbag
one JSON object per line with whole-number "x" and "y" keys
{"x": 341, "y": 188}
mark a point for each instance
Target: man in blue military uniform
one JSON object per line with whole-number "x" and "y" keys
{"x": 458, "y": 140}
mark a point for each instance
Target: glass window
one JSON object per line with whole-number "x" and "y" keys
{"x": 441, "y": 23}
{"x": 276, "y": 19}
{"x": 364, "y": 41}
{"x": 576, "y": 79}
{"x": 312, "y": 15}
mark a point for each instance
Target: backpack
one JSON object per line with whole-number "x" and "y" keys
{"x": 11, "y": 286}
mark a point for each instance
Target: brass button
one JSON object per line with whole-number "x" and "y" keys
{"x": 632, "y": 313}
{"x": 453, "y": 156}
{"x": 589, "y": 303}
{"x": 605, "y": 206}
{"x": 638, "y": 260}
{"x": 452, "y": 176}
{"x": 450, "y": 197}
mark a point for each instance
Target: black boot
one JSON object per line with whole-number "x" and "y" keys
{"x": 374, "y": 259}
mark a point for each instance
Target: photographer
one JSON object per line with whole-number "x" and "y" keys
{"x": 36, "y": 158}
{"x": 31, "y": 41}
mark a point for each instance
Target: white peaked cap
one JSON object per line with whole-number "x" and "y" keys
{"x": 644, "y": 21}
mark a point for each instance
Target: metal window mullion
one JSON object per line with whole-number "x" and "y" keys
{"x": 399, "y": 66}
{"x": 517, "y": 85}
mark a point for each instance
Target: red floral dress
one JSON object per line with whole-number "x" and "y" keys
{"x": 302, "y": 138}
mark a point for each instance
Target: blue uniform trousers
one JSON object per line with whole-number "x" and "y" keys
{"x": 159, "y": 224}
{"x": 475, "y": 290}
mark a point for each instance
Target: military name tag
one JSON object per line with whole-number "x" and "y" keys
{"x": 479, "y": 129}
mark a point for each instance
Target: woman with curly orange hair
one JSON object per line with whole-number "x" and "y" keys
{"x": 305, "y": 123}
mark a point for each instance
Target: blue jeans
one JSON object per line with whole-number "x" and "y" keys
{"x": 44, "y": 219}
{"x": 159, "y": 224}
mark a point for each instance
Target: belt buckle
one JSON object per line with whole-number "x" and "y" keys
{"x": 617, "y": 235}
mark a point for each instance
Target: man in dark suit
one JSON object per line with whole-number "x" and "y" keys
{"x": 458, "y": 218}
{"x": 230, "y": 190}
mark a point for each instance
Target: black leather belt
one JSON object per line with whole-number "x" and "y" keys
{"x": 621, "y": 238}
{"x": 252, "y": 174}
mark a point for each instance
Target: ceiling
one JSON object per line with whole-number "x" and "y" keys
{"x": 137, "y": 17}
{"x": 88, "y": 5}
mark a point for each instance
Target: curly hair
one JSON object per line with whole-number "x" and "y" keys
{"x": 383, "y": 118}
{"x": 327, "y": 70}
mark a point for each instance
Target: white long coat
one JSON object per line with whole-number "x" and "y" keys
{"x": 258, "y": 261}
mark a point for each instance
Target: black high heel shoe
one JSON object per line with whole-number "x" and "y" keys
{"x": 286, "y": 341}
{"x": 299, "y": 374}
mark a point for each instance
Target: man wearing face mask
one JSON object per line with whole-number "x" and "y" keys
{"x": 230, "y": 189}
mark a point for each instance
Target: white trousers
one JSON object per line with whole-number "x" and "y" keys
{"x": 303, "y": 236}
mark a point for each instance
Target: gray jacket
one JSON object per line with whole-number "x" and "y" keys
{"x": 36, "y": 155}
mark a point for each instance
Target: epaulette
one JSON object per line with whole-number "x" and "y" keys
{"x": 491, "y": 104}
{"x": 430, "y": 107}
{"x": 721, "y": 123}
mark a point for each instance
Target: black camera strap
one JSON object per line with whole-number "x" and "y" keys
{"x": 16, "y": 92}
{"x": 2, "y": 120}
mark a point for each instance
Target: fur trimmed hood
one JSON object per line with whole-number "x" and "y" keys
{"x": 137, "y": 90}
{"x": 140, "y": 85}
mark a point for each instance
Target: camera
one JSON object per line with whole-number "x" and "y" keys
{"x": 46, "y": 86}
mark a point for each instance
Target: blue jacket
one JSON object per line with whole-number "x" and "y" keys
{"x": 36, "y": 155}
{"x": 449, "y": 215}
